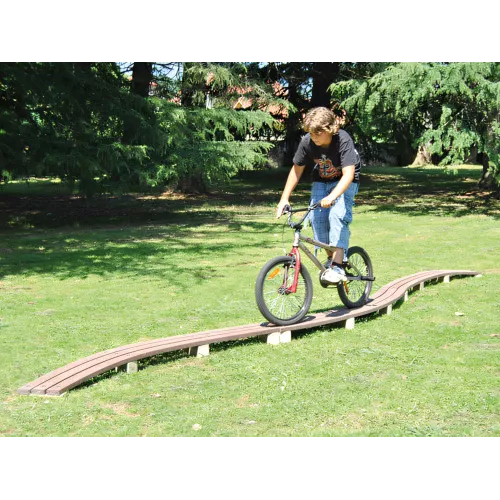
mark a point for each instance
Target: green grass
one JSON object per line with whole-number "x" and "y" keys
{"x": 78, "y": 277}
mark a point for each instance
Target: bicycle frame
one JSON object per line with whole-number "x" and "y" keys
{"x": 298, "y": 244}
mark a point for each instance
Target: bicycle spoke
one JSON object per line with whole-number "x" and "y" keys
{"x": 274, "y": 295}
{"x": 357, "y": 289}
{"x": 283, "y": 305}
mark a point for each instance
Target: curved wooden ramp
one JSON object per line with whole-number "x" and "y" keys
{"x": 63, "y": 379}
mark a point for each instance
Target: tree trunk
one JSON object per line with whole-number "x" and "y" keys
{"x": 186, "y": 91}
{"x": 473, "y": 157}
{"x": 423, "y": 157}
{"x": 293, "y": 133}
{"x": 142, "y": 75}
{"x": 193, "y": 184}
{"x": 487, "y": 179}
{"x": 323, "y": 75}
{"x": 405, "y": 154}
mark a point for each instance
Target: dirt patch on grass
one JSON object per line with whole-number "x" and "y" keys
{"x": 492, "y": 271}
{"x": 47, "y": 312}
{"x": 352, "y": 421}
{"x": 7, "y": 432}
{"x": 121, "y": 409}
{"x": 495, "y": 347}
{"x": 243, "y": 401}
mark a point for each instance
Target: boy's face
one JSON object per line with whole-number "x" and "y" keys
{"x": 322, "y": 138}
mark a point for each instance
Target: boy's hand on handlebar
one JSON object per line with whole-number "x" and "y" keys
{"x": 327, "y": 202}
{"x": 281, "y": 207}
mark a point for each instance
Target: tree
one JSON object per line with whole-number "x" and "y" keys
{"x": 446, "y": 109}
{"x": 59, "y": 119}
{"x": 295, "y": 79}
{"x": 92, "y": 124}
{"x": 201, "y": 148}
{"x": 210, "y": 142}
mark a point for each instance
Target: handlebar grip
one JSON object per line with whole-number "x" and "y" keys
{"x": 287, "y": 209}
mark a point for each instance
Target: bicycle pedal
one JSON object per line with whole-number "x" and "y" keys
{"x": 321, "y": 282}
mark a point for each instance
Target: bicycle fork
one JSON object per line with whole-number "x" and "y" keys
{"x": 294, "y": 254}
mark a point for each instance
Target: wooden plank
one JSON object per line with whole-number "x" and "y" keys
{"x": 233, "y": 333}
{"x": 133, "y": 352}
{"x": 73, "y": 374}
{"x": 384, "y": 297}
{"x": 70, "y": 378}
{"x": 39, "y": 385}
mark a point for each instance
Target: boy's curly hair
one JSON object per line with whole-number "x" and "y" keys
{"x": 322, "y": 120}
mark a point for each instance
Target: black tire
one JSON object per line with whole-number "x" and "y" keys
{"x": 355, "y": 293}
{"x": 275, "y": 304}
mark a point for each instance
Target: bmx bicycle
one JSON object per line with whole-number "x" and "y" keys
{"x": 284, "y": 289}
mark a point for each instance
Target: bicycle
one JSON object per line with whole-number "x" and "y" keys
{"x": 284, "y": 290}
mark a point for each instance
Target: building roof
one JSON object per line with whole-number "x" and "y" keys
{"x": 275, "y": 109}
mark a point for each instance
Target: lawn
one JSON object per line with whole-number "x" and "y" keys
{"x": 81, "y": 276}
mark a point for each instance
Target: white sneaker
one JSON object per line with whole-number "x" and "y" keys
{"x": 334, "y": 275}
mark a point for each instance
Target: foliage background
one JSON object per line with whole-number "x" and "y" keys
{"x": 113, "y": 127}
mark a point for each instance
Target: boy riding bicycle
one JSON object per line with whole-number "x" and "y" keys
{"x": 336, "y": 165}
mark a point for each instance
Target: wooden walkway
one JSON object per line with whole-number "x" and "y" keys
{"x": 63, "y": 379}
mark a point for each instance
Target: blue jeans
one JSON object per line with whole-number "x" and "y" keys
{"x": 331, "y": 225}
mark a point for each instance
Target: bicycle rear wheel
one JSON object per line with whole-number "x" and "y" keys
{"x": 355, "y": 291}
{"x": 274, "y": 299}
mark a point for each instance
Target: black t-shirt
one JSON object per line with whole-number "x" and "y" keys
{"x": 327, "y": 162}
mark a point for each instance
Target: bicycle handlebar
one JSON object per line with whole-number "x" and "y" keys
{"x": 287, "y": 209}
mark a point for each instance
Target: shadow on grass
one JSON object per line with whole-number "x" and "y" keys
{"x": 46, "y": 206}
{"x": 412, "y": 191}
{"x": 68, "y": 236}
{"x": 166, "y": 253}
{"x": 426, "y": 191}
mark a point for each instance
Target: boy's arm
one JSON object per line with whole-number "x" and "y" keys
{"x": 291, "y": 183}
{"x": 341, "y": 187}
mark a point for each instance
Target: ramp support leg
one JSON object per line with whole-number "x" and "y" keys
{"x": 199, "y": 351}
{"x": 349, "y": 324}
{"x": 386, "y": 310}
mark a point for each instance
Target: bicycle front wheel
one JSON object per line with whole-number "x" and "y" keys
{"x": 272, "y": 291}
{"x": 359, "y": 273}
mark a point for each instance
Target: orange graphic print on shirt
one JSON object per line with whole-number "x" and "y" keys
{"x": 327, "y": 170}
